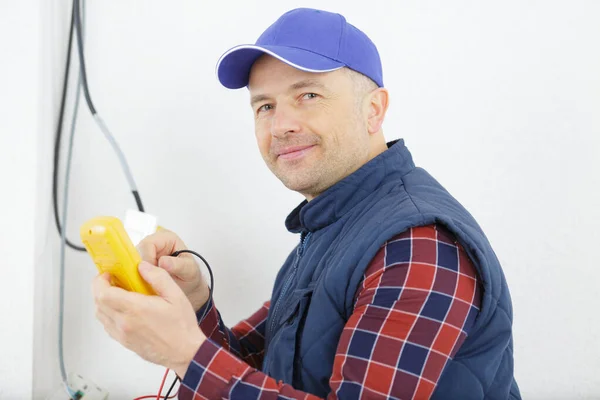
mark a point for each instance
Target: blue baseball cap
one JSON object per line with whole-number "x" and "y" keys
{"x": 308, "y": 39}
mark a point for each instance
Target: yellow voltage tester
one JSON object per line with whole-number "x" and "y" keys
{"x": 111, "y": 249}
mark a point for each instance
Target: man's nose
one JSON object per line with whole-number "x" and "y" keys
{"x": 285, "y": 120}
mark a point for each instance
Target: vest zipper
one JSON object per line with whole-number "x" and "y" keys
{"x": 288, "y": 281}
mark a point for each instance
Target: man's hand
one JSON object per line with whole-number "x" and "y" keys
{"x": 161, "y": 329}
{"x": 157, "y": 249}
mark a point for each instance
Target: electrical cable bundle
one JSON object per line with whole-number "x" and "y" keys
{"x": 76, "y": 27}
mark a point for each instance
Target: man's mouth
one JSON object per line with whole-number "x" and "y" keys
{"x": 293, "y": 152}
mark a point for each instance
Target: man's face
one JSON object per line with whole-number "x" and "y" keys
{"x": 311, "y": 128}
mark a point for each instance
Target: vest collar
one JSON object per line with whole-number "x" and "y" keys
{"x": 333, "y": 203}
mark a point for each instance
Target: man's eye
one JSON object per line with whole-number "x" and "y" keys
{"x": 265, "y": 107}
{"x": 310, "y": 95}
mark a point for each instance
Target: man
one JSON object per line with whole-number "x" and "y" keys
{"x": 393, "y": 290}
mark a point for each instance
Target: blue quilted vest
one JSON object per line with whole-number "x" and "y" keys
{"x": 340, "y": 232}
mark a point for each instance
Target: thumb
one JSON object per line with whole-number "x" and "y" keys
{"x": 183, "y": 267}
{"x": 160, "y": 280}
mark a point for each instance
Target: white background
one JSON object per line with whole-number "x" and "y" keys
{"x": 500, "y": 102}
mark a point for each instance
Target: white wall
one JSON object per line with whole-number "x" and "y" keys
{"x": 19, "y": 128}
{"x": 53, "y": 35}
{"x": 498, "y": 101}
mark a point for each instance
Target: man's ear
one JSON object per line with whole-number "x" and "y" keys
{"x": 377, "y": 103}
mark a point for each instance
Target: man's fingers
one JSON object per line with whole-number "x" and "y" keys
{"x": 105, "y": 320}
{"x": 183, "y": 267}
{"x": 111, "y": 326}
{"x": 110, "y": 299}
{"x": 160, "y": 243}
{"x": 100, "y": 284}
{"x": 160, "y": 280}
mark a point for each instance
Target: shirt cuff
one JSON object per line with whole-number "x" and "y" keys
{"x": 203, "y": 309}
{"x": 211, "y": 372}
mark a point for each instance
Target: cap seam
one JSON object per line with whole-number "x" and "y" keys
{"x": 251, "y": 45}
{"x": 336, "y": 59}
{"x": 309, "y": 51}
{"x": 342, "y": 20}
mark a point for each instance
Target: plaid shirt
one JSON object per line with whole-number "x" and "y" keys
{"x": 415, "y": 307}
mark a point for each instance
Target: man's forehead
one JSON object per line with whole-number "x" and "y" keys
{"x": 267, "y": 67}
{"x": 268, "y": 61}
{"x": 268, "y": 71}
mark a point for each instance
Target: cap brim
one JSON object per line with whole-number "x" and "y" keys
{"x": 233, "y": 68}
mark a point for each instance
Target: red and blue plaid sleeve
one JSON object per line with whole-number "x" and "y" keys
{"x": 246, "y": 340}
{"x": 417, "y": 303}
{"x": 415, "y": 307}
